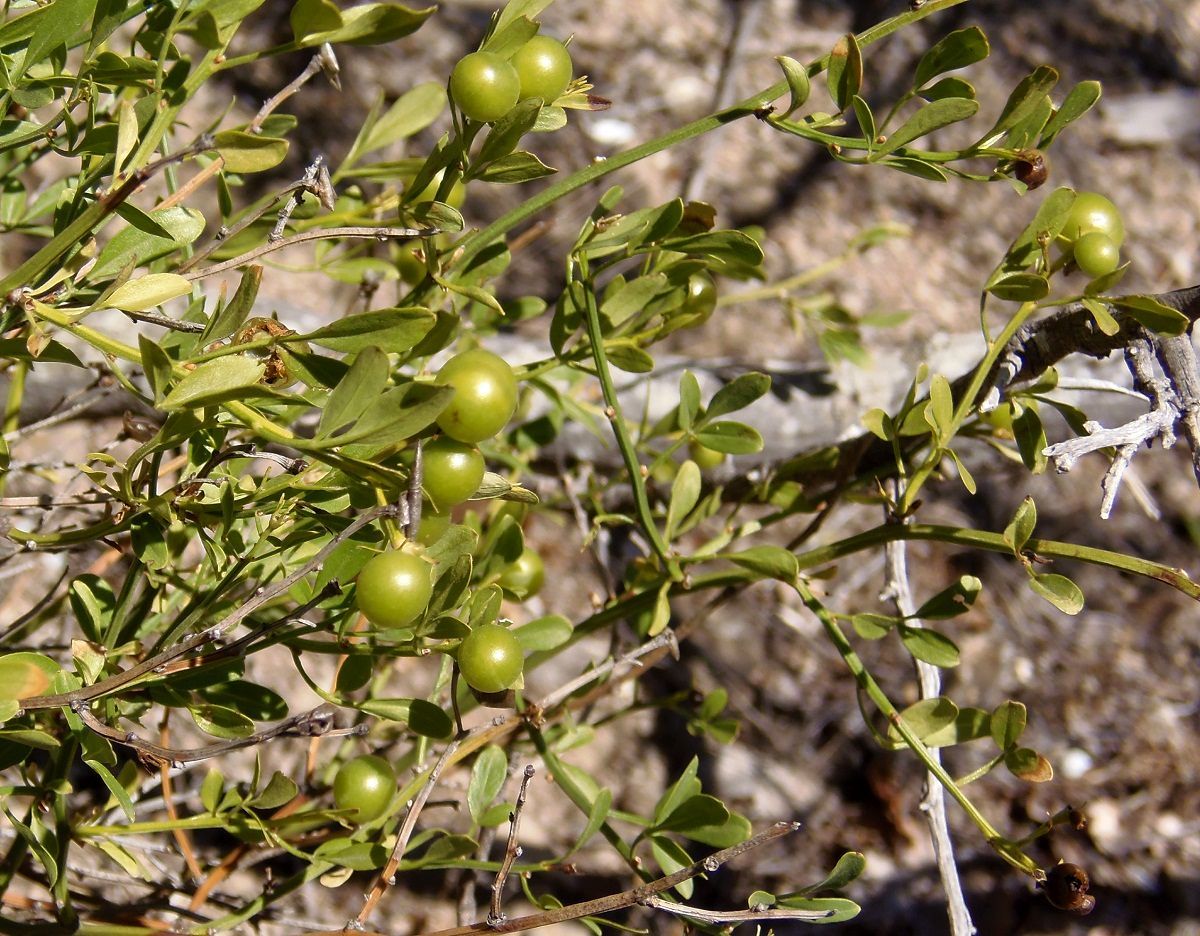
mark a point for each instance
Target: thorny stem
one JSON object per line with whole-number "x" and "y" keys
{"x": 512, "y": 850}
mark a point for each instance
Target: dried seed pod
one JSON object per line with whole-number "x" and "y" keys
{"x": 1066, "y": 887}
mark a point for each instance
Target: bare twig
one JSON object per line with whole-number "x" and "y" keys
{"x": 629, "y": 898}
{"x": 378, "y": 233}
{"x": 318, "y": 721}
{"x": 324, "y": 60}
{"x": 387, "y": 876}
{"x": 416, "y": 479}
{"x": 308, "y": 183}
{"x": 933, "y": 801}
{"x": 512, "y": 851}
{"x": 165, "y": 321}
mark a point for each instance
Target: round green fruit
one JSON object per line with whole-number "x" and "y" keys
{"x": 485, "y": 395}
{"x": 701, "y": 297}
{"x": 490, "y": 658}
{"x": 394, "y": 588}
{"x": 524, "y": 578}
{"x": 1091, "y": 213}
{"x": 365, "y": 785}
{"x": 451, "y": 472}
{"x": 484, "y": 86}
{"x": 543, "y": 67}
{"x": 705, "y": 458}
{"x": 1096, "y": 254}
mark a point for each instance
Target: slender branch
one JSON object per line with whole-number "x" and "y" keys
{"x": 933, "y": 802}
{"x": 512, "y": 851}
{"x": 734, "y": 917}
{"x": 229, "y": 622}
{"x": 387, "y": 876}
{"x": 377, "y": 233}
{"x": 629, "y": 898}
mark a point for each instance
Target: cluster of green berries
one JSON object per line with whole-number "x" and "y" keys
{"x": 485, "y": 86}
{"x": 1093, "y": 234}
{"x": 394, "y": 587}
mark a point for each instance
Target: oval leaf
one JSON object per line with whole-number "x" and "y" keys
{"x": 148, "y": 291}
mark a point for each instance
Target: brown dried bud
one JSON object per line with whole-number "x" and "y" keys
{"x": 1032, "y": 168}
{"x": 1066, "y": 887}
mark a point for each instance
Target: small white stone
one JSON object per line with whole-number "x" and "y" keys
{"x": 1023, "y": 670}
{"x": 611, "y": 131}
{"x": 1104, "y": 824}
{"x": 1074, "y": 763}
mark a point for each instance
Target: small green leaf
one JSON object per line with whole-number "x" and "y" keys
{"x": 221, "y": 721}
{"x": 278, "y": 791}
{"x": 689, "y": 400}
{"x": 1059, "y": 590}
{"x": 933, "y": 116}
{"x": 370, "y": 24}
{"x": 737, "y": 394}
{"x": 248, "y": 698}
{"x": 732, "y": 438}
{"x": 25, "y": 673}
{"x": 731, "y": 246}
{"x": 1103, "y": 318}
{"x": 1030, "y": 436}
{"x": 694, "y": 813}
{"x": 1154, "y": 315}
{"x": 1008, "y": 723}
{"x": 661, "y": 615}
{"x": 845, "y": 72}
{"x": 148, "y": 291}
{"x": 220, "y": 379}
{"x": 929, "y": 646}
{"x": 597, "y": 815}
{"x": 355, "y": 392}
{"x": 685, "y": 493}
{"x": 926, "y": 717}
{"x": 824, "y": 909}
{"x": 249, "y": 152}
{"x": 1021, "y": 526}
{"x": 952, "y": 601}
{"x": 866, "y": 121}
{"x": 969, "y": 725}
{"x": 1019, "y": 287}
{"x": 685, "y": 787}
{"x": 487, "y": 778}
{"x": 506, "y": 133}
{"x": 939, "y": 411}
{"x": 872, "y": 626}
{"x": 949, "y": 88}
{"x": 412, "y": 112}
{"x": 211, "y": 789}
{"x": 849, "y": 868}
{"x": 516, "y": 168}
{"x": 396, "y": 330}
{"x": 768, "y": 561}
{"x": 671, "y": 858}
{"x": 879, "y": 424}
{"x": 544, "y": 633}
{"x": 1025, "y": 98}
{"x": 798, "y": 82}
{"x": 1027, "y": 764}
{"x": 631, "y": 359}
{"x": 183, "y": 224}
{"x": 959, "y": 49}
{"x": 733, "y": 830}
{"x": 309, "y": 17}
{"x": 423, "y": 717}
{"x": 1078, "y": 102}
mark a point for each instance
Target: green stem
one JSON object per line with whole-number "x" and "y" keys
{"x": 612, "y": 410}
{"x": 994, "y": 542}
{"x": 1006, "y": 849}
{"x": 963, "y": 407}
